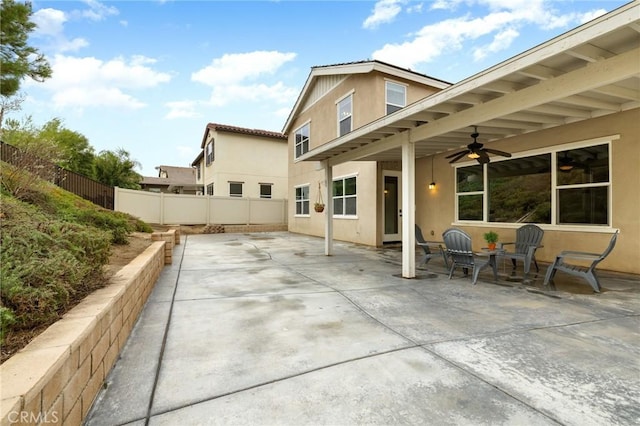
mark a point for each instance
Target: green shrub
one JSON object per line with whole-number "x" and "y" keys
{"x": 46, "y": 263}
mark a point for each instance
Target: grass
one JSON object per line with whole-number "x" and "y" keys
{"x": 53, "y": 249}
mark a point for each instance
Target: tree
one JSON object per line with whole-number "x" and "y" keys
{"x": 75, "y": 152}
{"x": 53, "y": 142}
{"x": 17, "y": 58}
{"x": 117, "y": 169}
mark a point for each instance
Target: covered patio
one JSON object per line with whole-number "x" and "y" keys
{"x": 263, "y": 328}
{"x": 582, "y": 75}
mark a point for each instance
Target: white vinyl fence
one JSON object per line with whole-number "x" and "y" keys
{"x": 173, "y": 209}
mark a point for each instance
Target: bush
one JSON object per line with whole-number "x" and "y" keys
{"x": 45, "y": 264}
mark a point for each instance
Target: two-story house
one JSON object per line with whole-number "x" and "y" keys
{"x": 566, "y": 113}
{"x": 335, "y": 100}
{"x": 172, "y": 179}
{"x": 240, "y": 162}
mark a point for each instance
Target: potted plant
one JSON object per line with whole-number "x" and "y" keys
{"x": 491, "y": 238}
{"x": 319, "y": 207}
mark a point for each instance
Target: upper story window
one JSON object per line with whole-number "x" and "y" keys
{"x": 345, "y": 107}
{"x": 563, "y": 187}
{"x": 345, "y": 196}
{"x": 302, "y": 200}
{"x": 396, "y": 96}
{"x": 302, "y": 140}
{"x": 235, "y": 189}
{"x": 265, "y": 190}
{"x": 209, "y": 152}
{"x": 198, "y": 171}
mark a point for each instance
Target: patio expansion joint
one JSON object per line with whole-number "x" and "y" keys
{"x": 282, "y": 379}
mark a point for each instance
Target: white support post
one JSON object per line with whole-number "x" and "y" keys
{"x": 408, "y": 209}
{"x": 328, "y": 225}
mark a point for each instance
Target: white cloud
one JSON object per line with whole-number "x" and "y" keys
{"x": 89, "y": 82}
{"x": 383, "y": 12}
{"x": 501, "y": 41}
{"x": 97, "y": 11}
{"x": 182, "y": 109}
{"x": 502, "y": 22}
{"x": 50, "y": 25}
{"x": 235, "y": 67}
{"x": 235, "y": 77}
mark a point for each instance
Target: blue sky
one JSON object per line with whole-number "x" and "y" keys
{"x": 148, "y": 76}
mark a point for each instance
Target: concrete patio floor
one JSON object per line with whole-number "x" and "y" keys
{"x": 263, "y": 329}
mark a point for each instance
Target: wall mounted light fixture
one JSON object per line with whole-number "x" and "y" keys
{"x": 432, "y": 185}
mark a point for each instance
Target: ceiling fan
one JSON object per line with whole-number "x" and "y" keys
{"x": 475, "y": 150}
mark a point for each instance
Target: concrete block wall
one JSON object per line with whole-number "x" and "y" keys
{"x": 169, "y": 237}
{"x": 55, "y": 378}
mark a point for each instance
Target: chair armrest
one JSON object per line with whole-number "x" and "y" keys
{"x": 579, "y": 255}
{"x": 505, "y": 244}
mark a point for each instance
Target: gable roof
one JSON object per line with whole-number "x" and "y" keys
{"x": 240, "y": 130}
{"x": 587, "y": 72}
{"x": 346, "y": 69}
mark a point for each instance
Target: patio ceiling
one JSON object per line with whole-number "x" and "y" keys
{"x": 591, "y": 71}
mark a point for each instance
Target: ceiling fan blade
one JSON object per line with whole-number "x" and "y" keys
{"x": 458, "y": 156}
{"x": 457, "y": 153}
{"x": 496, "y": 152}
{"x": 484, "y": 157}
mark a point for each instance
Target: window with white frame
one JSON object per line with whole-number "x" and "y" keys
{"x": 396, "y": 96}
{"x": 582, "y": 186}
{"x": 235, "y": 189}
{"x": 302, "y": 140}
{"x": 265, "y": 190}
{"x": 560, "y": 187}
{"x": 302, "y": 200}
{"x": 209, "y": 152}
{"x": 210, "y": 189}
{"x": 198, "y": 171}
{"x": 345, "y": 108}
{"x": 345, "y": 198}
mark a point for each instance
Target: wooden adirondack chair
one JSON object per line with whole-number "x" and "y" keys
{"x": 562, "y": 263}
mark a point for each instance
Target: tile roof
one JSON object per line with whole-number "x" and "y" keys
{"x": 245, "y": 131}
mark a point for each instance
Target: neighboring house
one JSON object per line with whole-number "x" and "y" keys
{"x": 239, "y": 162}
{"x": 171, "y": 179}
{"x": 567, "y": 110}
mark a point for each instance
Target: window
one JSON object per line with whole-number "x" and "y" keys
{"x": 531, "y": 203}
{"x": 235, "y": 189}
{"x": 302, "y": 200}
{"x": 344, "y": 196}
{"x": 344, "y": 116}
{"x": 469, "y": 188}
{"x": 265, "y": 190}
{"x": 582, "y": 185}
{"x": 210, "y": 189}
{"x": 302, "y": 140}
{"x": 209, "y": 152}
{"x": 520, "y": 190}
{"x": 396, "y": 96}
{"x": 198, "y": 172}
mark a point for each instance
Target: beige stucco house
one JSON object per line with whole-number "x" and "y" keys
{"x": 241, "y": 162}
{"x": 172, "y": 179}
{"x": 568, "y": 112}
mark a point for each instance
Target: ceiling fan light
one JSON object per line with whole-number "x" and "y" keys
{"x": 473, "y": 155}
{"x": 565, "y": 167}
